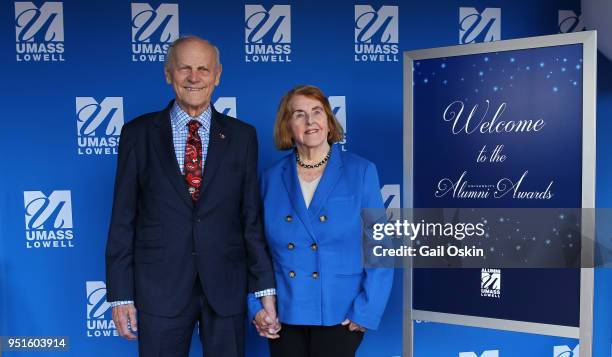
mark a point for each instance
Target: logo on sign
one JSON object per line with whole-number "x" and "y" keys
{"x": 475, "y": 26}
{"x": 570, "y": 22}
{"x": 338, "y": 106}
{"x": 48, "y": 219}
{"x": 490, "y": 353}
{"x": 39, "y": 32}
{"x": 153, "y": 31}
{"x": 99, "y": 125}
{"x": 490, "y": 283}
{"x": 391, "y": 199}
{"x": 565, "y": 351}
{"x": 227, "y": 106}
{"x": 99, "y": 319}
{"x": 267, "y": 33}
{"x": 376, "y": 33}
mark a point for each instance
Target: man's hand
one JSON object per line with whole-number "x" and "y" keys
{"x": 352, "y": 326}
{"x": 123, "y": 314}
{"x": 266, "y": 322}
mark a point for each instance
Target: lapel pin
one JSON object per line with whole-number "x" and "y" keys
{"x": 222, "y": 136}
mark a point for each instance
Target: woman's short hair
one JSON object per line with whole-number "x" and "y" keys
{"x": 282, "y": 133}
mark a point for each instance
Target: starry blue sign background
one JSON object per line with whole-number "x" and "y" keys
{"x": 543, "y": 83}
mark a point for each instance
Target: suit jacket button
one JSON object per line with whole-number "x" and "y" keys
{"x": 194, "y": 253}
{"x": 313, "y": 246}
{"x": 288, "y": 218}
{"x": 292, "y": 274}
{"x": 315, "y": 275}
{"x": 323, "y": 218}
{"x": 290, "y": 246}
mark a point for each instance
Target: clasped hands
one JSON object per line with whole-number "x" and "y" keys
{"x": 266, "y": 320}
{"x": 267, "y": 324}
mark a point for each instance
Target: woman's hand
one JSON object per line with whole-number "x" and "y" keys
{"x": 352, "y": 326}
{"x": 266, "y": 326}
{"x": 266, "y": 322}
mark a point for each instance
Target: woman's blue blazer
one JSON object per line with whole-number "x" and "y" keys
{"x": 316, "y": 252}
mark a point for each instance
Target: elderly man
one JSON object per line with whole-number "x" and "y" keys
{"x": 185, "y": 242}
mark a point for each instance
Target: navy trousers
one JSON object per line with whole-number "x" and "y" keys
{"x": 171, "y": 336}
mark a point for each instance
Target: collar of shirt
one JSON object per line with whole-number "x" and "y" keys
{"x": 179, "y": 118}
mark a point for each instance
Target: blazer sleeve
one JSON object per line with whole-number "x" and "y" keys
{"x": 261, "y": 274}
{"x": 119, "y": 246}
{"x": 369, "y": 306}
{"x": 254, "y": 304}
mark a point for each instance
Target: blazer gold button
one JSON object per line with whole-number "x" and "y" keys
{"x": 315, "y": 275}
{"x": 289, "y": 218}
{"x": 292, "y": 274}
{"x": 313, "y": 246}
{"x": 323, "y": 218}
{"x": 290, "y": 246}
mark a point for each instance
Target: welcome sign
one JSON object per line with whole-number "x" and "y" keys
{"x": 501, "y": 129}
{"x": 499, "y": 125}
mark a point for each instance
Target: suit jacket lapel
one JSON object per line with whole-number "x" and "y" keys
{"x": 294, "y": 191}
{"x": 329, "y": 179}
{"x": 164, "y": 146}
{"x": 219, "y": 138}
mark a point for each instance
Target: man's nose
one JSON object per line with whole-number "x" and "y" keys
{"x": 193, "y": 77}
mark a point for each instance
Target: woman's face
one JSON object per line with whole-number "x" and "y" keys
{"x": 308, "y": 122}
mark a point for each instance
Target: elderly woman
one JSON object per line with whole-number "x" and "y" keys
{"x": 312, "y": 203}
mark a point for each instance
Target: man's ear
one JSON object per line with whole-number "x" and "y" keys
{"x": 167, "y": 75}
{"x": 218, "y": 79}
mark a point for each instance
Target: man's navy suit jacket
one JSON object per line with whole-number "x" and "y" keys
{"x": 159, "y": 241}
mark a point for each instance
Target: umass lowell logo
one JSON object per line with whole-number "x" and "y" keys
{"x": 267, "y": 33}
{"x": 99, "y": 125}
{"x": 153, "y": 31}
{"x": 376, "y": 34}
{"x": 99, "y": 321}
{"x": 570, "y": 22}
{"x": 391, "y": 200}
{"x": 477, "y": 26}
{"x": 490, "y": 283}
{"x": 39, "y": 32}
{"x": 338, "y": 106}
{"x": 48, "y": 219}
{"x": 490, "y": 353}
{"x": 565, "y": 351}
{"x": 227, "y": 106}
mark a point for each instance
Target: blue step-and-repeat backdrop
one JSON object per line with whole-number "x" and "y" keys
{"x": 73, "y": 72}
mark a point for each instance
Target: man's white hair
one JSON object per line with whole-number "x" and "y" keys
{"x": 169, "y": 62}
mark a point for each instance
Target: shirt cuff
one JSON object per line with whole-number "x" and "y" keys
{"x": 266, "y": 292}
{"x": 117, "y": 303}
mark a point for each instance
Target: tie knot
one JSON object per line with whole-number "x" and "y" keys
{"x": 193, "y": 125}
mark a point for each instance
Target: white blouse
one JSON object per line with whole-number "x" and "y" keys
{"x": 308, "y": 189}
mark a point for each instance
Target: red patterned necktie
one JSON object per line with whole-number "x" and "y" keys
{"x": 193, "y": 160}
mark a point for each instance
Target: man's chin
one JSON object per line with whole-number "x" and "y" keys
{"x": 191, "y": 107}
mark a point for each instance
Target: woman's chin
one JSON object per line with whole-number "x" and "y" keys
{"x": 314, "y": 143}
